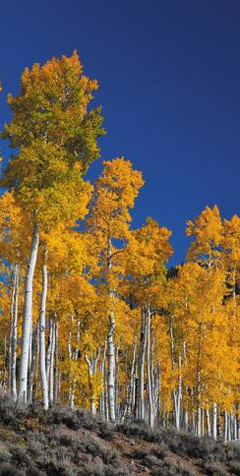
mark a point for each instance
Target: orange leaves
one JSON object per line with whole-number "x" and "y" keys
{"x": 57, "y": 140}
{"x": 231, "y": 240}
{"x": 148, "y": 251}
{"x": 207, "y": 230}
{"x": 115, "y": 192}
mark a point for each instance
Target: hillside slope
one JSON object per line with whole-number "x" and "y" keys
{"x": 72, "y": 442}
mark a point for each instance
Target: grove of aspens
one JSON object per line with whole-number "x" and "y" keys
{"x": 92, "y": 315}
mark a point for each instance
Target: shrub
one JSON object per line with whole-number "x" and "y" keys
{"x": 107, "y": 432}
{"x": 20, "y": 456}
{"x": 4, "y": 453}
{"x": 94, "y": 469}
{"x": 214, "y": 468}
{"x": 7, "y": 469}
{"x": 73, "y": 419}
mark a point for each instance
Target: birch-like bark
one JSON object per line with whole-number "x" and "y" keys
{"x": 214, "y": 421}
{"x": 193, "y": 424}
{"x": 177, "y": 392}
{"x": 106, "y": 387}
{"x": 111, "y": 367}
{"x": 27, "y": 316}
{"x": 130, "y": 391}
{"x": 157, "y": 384}
{"x": 30, "y": 377}
{"x": 13, "y": 336}
{"x": 151, "y": 419}
{"x": 185, "y": 420}
{"x": 33, "y": 369}
{"x": 4, "y": 367}
{"x": 116, "y": 385}
{"x": 208, "y": 423}
{"x": 229, "y": 426}
{"x": 142, "y": 352}
{"x": 56, "y": 369}
{"x": 42, "y": 323}
{"x": 225, "y": 426}
{"x": 10, "y": 336}
{"x": 235, "y": 427}
{"x": 92, "y": 368}
{"x": 111, "y": 346}
{"x": 102, "y": 394}
{"x": 48, "y": 354}
{"x": 198, "y": 405}
{"x": 51, "y": 370}
{"x": 202, "y": 422}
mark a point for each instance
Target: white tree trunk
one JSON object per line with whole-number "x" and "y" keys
{"x": 214, "y": 420}
{"x": 208, "y": 423}
{"x": 51, "y": 370}
{"x": 111, "y": 368}
{"x": 199, "y": 425}
{"x": 92, "y": 368}
{"x": 56, "y": 369}
{"x": 225, "y": 426}
{"x": 48, "y": 354}
{"x": 42, "y": 323}
{"x": 142, "y": 353}
{"x": 33, "y": 368}
{"x": 27, "y": 316}
{"x": 151, "y": 419}
{"x": 130, "y": 390}
{"x": 13, "y": 336}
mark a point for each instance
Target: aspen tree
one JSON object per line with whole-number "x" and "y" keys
{"x": 115, "y": 193}
{"x": 50, "y": 121}
{"x": 149, "y": 251}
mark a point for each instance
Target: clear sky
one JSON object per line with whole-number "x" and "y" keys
{"x": 169, "y": 74}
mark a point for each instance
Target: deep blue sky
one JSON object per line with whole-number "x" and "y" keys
{"x": 169, "y": 74}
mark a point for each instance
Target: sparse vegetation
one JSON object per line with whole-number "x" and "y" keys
{"x": 73, "y": 442}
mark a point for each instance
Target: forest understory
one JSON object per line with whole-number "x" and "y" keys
{"x": 69, "y": 442}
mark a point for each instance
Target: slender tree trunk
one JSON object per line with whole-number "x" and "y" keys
{"x": 92, "y": 368}
{"x": 106, "y": 388}
{"x": 178, "y": 396}
{"x": 56, "y": 369}
{"x": 30, "y": 377}
{"x": 111, "y": 367}
{"x": 225, "y": 426}
{"x": 229, "y": 426}
{"x": 203, "y": 422}
{"x": 33, "y": 369}
{"x": 157, "y": 381}
{"x": 208, "y": 423}
{"x": 198, "y": 405}
{"x": 102, "y": 394}
{"x": 151, "y": 419}
{"x": 27, "y": 316}
{"x": 13, "y": 336}
{"x": 4, "y": 367}
{"x": 42, "y": 322}
{"x": 116, "y": 385}
{"x": 130, "y": 395}
{"x": 185, "y": 420}
{"x": 51, "y": 370}
{"x": 141, "y": 366}
{"x": 214, "y": 420}
{"x": 235, "y": 427}
{"x": 193, "y": 424}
